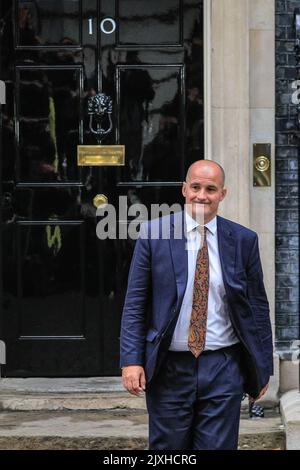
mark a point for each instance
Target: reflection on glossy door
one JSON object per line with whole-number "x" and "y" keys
{"x": 63, "y": 287}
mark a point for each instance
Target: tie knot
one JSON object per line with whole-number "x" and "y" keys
{"x": 202, "y": 230}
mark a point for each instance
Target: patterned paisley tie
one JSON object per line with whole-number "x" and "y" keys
{"x": 197, "y": 331}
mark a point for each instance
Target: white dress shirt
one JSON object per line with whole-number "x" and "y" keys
{"x": 219, "y": 330}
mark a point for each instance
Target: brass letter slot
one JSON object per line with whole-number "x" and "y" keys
{"x": 101, "y": 155}
{"x": 261, "y": 164}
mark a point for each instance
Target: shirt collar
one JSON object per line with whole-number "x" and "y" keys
{"x": 191, "y": 224}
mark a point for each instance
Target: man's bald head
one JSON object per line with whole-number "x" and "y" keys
{"x": 206, "y": 164}
{"x": 204, "y": 189}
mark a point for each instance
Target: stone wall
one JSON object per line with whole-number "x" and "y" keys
{"x": 243, "y": 113}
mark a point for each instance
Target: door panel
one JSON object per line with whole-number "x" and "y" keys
{"x": 63, "y": 288}
{"x": 151, "y": 121}
{"x": 139, "y": 19}
{"x": 50, "y": 284}
{"x": 48, "y": 23}
{"x": 48, "y": 122}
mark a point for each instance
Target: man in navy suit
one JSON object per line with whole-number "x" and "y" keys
{"x": 193, "y": 400}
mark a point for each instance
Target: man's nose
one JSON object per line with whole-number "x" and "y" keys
{"x": 201, "y": 195}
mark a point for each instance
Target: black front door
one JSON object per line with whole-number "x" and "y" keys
{"x": 63, "y": 287}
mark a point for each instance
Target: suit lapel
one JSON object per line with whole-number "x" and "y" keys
{"x": 227, "y": 248}
{"x": 179, "y": 252}
{"x": 227, "y": 251}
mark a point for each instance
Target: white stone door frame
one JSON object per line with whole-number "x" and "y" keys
{"x": 207, "y": 79}
{"x": 239, "y": 104}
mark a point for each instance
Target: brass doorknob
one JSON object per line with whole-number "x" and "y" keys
{"x": 262, "y": 163}
{"x": 100, "y": 200}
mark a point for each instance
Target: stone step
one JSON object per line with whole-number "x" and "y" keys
{"x": 44, "y": 394}
{"x": 41, "y": 385}
{"x": 70, "y": 402}
{"x": 95, "y": 413}
{"x": 73, "y": 430}
{"x": 112, "y": 430}
{"x": 266, "y": 433}
{"x": 71, "y": 394}
{"x": 16, "y": 401}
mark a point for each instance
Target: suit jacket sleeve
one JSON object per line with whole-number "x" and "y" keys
{"x": 259, "y": 302}
{"x": 133, "y": 325}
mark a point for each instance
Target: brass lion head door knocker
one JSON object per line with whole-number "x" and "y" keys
{"x": 100, "y": 108}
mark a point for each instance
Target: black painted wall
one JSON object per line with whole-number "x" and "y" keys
{"x": 287, "y": 198}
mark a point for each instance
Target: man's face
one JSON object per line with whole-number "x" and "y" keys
{"x": 203, "y": 191}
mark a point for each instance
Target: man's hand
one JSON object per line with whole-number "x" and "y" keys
{"x": 262, "y": 392}
{"x": 134, "y": 379}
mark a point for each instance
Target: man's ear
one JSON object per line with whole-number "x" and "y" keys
{"x": 183, "y": 189}
{"x": 223, "y": 194}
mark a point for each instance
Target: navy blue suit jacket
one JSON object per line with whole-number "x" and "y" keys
{"x": 156, "y": 286}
